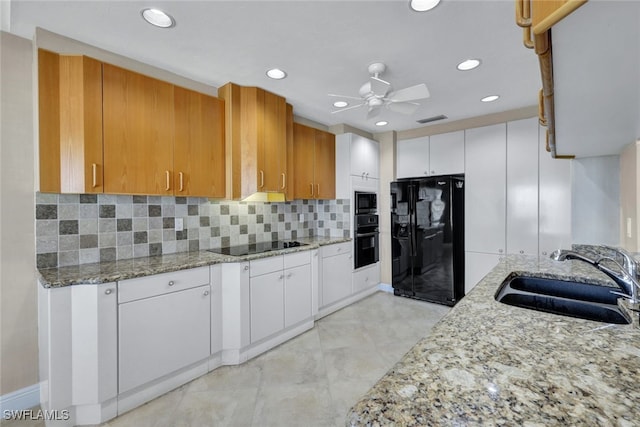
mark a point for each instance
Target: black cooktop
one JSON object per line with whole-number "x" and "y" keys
{"x": 256, "y": 248}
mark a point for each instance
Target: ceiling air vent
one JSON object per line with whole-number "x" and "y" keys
{"x": 432, "y": 119}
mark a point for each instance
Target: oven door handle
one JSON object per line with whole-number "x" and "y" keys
{"x": 373, "y": 233}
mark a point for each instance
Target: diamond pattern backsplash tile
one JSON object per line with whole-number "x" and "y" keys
{"x": 77, "y": 229}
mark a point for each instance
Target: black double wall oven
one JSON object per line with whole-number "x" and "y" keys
{"x": 366, "y": 235}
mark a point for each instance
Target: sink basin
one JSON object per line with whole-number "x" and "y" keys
{"x": 575, "y": 299}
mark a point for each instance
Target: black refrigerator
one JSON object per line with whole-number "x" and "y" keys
{"x": 427, "y": 238}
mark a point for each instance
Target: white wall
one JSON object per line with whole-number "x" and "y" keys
{"x": 18, "y": 305}
{"x": 595, "y": 217}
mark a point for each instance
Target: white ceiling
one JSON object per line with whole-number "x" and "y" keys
{"x": 325, "y": 47}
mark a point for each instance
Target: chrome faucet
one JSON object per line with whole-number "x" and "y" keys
{"x": 625, "y": 278}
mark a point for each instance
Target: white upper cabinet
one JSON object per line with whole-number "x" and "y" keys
{"x": 522, "y": 187}
{"x": 412, "y": 157}
{"x": 428, "y": 156}
{"x": 365, "y": 157}
{"x": 446, "y": 153}
{"x": 485, "y": 193}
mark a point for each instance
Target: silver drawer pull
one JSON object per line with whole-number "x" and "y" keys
{"x": 205, "y": 293}
{"x": 246, "y": 268}
{"x": 171, "y": 283}
{"x": 108, "y": 291}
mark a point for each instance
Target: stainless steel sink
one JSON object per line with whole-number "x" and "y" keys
{"x": 568, "y": 298}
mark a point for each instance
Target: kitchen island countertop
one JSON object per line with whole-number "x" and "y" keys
{"x": 488, "y": 363}
{"x": 111, "y": 271}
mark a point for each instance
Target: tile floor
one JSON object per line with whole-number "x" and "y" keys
{"x": 311, "y": 380}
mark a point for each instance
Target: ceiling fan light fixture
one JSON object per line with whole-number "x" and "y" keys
{"x": 468, "y": 64}
{"x": 340, "y": 104}
{"x": 423, "y": 5}
{"x": 490, "y": 98}
{"x": 276, "y": 74}
{"x": 158, "y": 18}
{"x": 382, "y": 123}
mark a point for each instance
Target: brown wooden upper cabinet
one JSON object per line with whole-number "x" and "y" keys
{"x": 107, "y": 129}
{"x": 138, "y": 133}
{"x": 70, "y": 123}
{"x": 314, "y": 153}
{"x": 198, "y": 153}
{"x": 256, "y": 141}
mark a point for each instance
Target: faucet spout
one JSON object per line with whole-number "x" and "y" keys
{"x": 625, "y": 277}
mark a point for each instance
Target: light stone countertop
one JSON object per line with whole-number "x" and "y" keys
{"x": 111, "y": 271}
{"x": 488, "y": 363}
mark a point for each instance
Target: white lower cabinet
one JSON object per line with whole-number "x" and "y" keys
{"x": 366, "y": 277}
{"x": 267, "y": 305}
{"x": 162, "y": 334}
{"x": 477, "y": 265}
{"x": 297, "y": 295}
{"x": 280, "y": 293}
{"x": 336, "y": 273}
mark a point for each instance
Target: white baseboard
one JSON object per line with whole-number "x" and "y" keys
{"x": 384, "y": 287}
{"x": 18, "y": 400}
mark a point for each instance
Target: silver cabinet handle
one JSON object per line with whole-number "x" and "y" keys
{"x": 544, "y": 252}
{"x": 283, "y": 181}
{"x": 281, "y": 277}
{"x": 521, "y": 252}
{"x": 246, "y": 268}
{"x": 108, "y": 292}
{"x": 94, "y": 175}
{"x": 168, "y": 176}
{"x": 205, "y": 293}
{"x": 289, "y": 275}
{"x": 499, "y": 251}
{"x": 339, "y": 249}
{"x": 181, "y": 175}
{"x": 261, "y": 178}
{"x": 171, "y": 283}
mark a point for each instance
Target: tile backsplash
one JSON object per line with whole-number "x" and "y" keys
{"x": 76, "y": 229}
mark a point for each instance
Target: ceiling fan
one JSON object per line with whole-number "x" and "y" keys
{"x": 377, "y": 93}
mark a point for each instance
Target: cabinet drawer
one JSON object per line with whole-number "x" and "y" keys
{"x": 262, "y": 266}
{"x": 297, "y": 259}
{"x": 158, "y": 284}
{"x": 337, "y": 249}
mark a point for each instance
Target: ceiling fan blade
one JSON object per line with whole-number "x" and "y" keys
{"x": 373, "y": 112}
{"x": 403, "y": 107}
{"x": 347, "y": 108}
{"x": 344, "y": 96}
{"x": 379, "y": 87}
{"x": 409, "y": 93}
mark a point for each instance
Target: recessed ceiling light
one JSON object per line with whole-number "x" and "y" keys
{"x": 340, "y": 104}
{"x": 158, "y": 18}
{"x": 423, "y": 5}
{"x": 469, "y": 64}
{"x": 490, "y": 98}
{"x": 382, "y": 123}
{"x": 276, "y": 73}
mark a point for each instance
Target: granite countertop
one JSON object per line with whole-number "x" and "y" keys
{"x": 111, "y": 271}
{"x": 488, "y": 363}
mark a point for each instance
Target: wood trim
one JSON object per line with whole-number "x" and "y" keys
{"x": 545, "y": 14}
{"x": 290, "y": 163}
{"x": 49, "y": 120}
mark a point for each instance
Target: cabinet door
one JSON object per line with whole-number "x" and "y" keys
{"x": 555, "y": 201}
{"x": 412, "y": 157}
{"x": 366, "y": 278}
{"x": 485, "y": 194}
{"x": 267, "y": 305}
{"x": 365, "y": 155}
{"x": 336, "y": 278}
{"x": 199, "y": 144}
{"x": 446, "y": 153}
{"x": 272, "y": 158}
{"x": 138, "y": 133}
{"x": 304, "y": 159}
{"x": 162, "y": 334}
{"x": 477, "y": 265}
{"x": 297, "y": 295}
{"x": 70, "y": 123}
{"x": 522, "y": 187}
{"x": 325, "y": 165}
